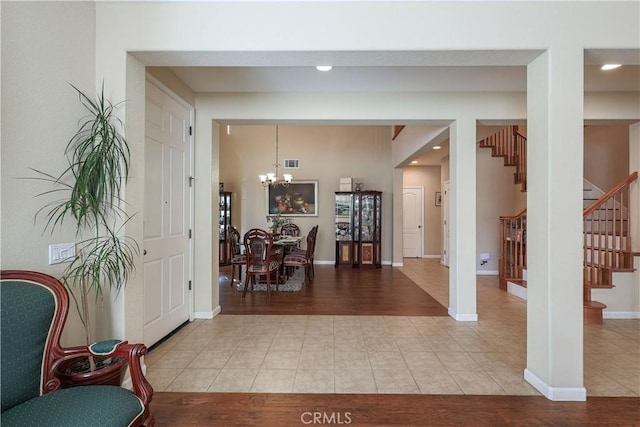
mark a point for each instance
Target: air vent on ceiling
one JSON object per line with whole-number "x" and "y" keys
{"x": 291, "y": 164}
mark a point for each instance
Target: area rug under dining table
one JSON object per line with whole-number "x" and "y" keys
{"x": 293, "y": 284}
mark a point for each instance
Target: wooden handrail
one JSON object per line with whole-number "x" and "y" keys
{"x": 610, "y": 193}
{"x": 513, "y": 249}
{"x": 522, "y": 212}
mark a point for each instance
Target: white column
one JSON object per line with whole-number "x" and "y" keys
{"x": 554, "y": 223}
{"x": 462, "y": 217}
{"x": 206, "y": 210}
{"x": 396, "y": 254}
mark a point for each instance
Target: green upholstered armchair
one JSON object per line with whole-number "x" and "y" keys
{"x": 34, "y": 307}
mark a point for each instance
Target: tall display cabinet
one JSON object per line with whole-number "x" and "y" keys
{"x": 224, "y": 222}
{"x": 358, "y": 227}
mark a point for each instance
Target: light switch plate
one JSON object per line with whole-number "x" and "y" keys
{"x": 61, "y": 252}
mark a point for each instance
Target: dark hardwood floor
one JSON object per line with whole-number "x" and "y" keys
{"x": 337, "y": 291}
{"x": 271, "y": 410}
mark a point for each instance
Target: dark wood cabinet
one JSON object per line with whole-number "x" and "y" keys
{"x": 224, "y": 222}
{"x": 358, "y": 228}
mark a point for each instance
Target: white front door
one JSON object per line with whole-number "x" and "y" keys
{"x": 445, "y": 224}
{"x": 412, "y": 222}
{"x": 167, "y": 214}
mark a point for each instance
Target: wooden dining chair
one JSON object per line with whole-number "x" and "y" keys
{"x": 260, "y": 259}
{"x": 290, "y": 229}
{"x": 238, "y": 257}
{"x": 303, "y": 258}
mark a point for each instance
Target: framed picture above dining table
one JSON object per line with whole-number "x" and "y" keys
{"x": 299, "y": 198}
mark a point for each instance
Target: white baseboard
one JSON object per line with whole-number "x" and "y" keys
{"x": 517, "y": 290}
{"x": 432, "y": 256}
{"x": 463, "y": 317}
{"x": 386, "y": 263}
{"x": 324, "y": 262}
{"x": 207, "y": 314}
{"x": 567, "y": 394}
{"x": 397, "y": 264}
{"x": 620, "y": 314}
{"x": 487, "y": 272}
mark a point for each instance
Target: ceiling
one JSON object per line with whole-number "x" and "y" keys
{"x": 390, "y": 79}
{"x": 384, "y": 71}
{"x": 381, "y": 71}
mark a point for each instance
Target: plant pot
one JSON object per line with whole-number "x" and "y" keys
{"x": 75, "y": 372}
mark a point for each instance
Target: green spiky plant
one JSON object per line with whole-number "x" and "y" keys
{"x": 89, "y": 191}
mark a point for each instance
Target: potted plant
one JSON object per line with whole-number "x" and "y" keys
{"x": 90, "y": 189}
{"x": 276, "y": 222}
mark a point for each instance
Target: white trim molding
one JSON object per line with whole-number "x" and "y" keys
{"x": 207, "y": 314}
{"x": 566, "y": 394}
{"x": 397, "y": 264}
{"x": 487, "y": 272}
{"x": 436, "y": 256}
{"x": 463, "y": 317}
{"x": 517, "y": 290}
{"x": 620, "y": 314}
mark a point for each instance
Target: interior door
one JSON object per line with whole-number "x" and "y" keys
{"x": 412, "y": 222}
{"x": 167, "y": 214}
{"x": 445, "y": 224}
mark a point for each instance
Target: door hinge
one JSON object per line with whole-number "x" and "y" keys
{"x": 189, "y": 284}
{"x": 191, "y": 181}
{"x": 189, "y": 233}
{"x": 190, "y": 130}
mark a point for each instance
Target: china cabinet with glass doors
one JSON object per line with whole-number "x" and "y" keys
{"x": 358, "y": 228}
{"x": 224, "y": 222}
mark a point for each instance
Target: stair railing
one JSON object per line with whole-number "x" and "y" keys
{"x": 607, "y": 241}
{"x": 513, "y": 248}
{"x": 509, "y": 143}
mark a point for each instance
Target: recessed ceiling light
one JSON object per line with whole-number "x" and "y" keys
{"x": 414, "y": 162}
{"x": 324, "y": 67}
{"x": 607, "y": 67}
{"x": 437, "y": 147}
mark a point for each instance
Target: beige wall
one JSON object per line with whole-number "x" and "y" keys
{"x": 326, "y": 154}
{"x": 40, "y": 112}
{"x": 494, "y": 198}
{"x": 606, "y": 155}
{"x": 427, "y": 177}
{"x": 173, "y": 82}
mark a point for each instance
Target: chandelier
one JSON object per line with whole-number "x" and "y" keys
{"x": 271, "y": 178}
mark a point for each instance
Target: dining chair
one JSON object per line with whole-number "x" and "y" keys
{"x": 303, "y": 257}
{"x": 290, "y": 229}
{"x": 238, "y": 257}
{"x": 261, "y": 261}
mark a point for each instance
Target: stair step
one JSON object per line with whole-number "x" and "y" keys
{"x": 613, "y": 269}
{"x": 593, "y": 312}
{"x": 518, "y": 282}
{"x": 598, "y": 286}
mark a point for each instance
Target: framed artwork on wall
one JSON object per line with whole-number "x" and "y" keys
{"x": 299, "y": 198}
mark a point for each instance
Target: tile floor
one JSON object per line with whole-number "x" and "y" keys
{"x": 384, "y": 354}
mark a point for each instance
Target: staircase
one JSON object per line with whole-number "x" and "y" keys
{"x": 606, "y": 224}
{"x": 607, "y": 244}
{"x": 512, "y": 146}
